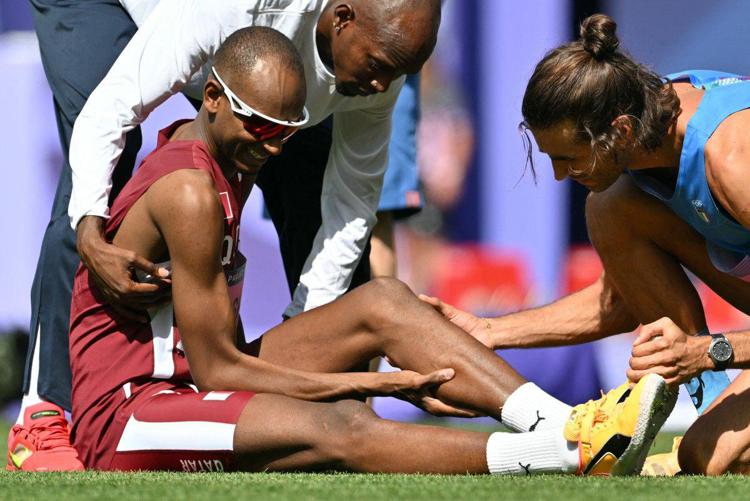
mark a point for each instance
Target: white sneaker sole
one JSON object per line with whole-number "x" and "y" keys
{"x": 657, "y": 402}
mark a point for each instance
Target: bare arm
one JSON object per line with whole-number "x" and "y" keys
{"x": 112, "y": 269}
{"x": 665, "y": 349}
{"x": 187, "y": 211}
{"x": 592, "y": 313}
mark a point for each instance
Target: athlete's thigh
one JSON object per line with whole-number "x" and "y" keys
{"x": 279, "y": 433}
{"x": 647, "y": 216}
{"x": 330, "y": 338}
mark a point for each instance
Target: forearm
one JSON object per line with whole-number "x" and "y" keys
{"x": 740, "y": 342}
{"x": 247, "y": 373}
{"x": 89, "y": 232}
{"x": 741, "y": 346}
{"x": 592, "y": 313}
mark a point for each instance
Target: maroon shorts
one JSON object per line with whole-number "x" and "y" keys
{"x": 161, "y": 426}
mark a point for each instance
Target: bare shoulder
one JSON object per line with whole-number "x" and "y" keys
{"x": 727, "y": 155}
{"x": 185, "y": 195}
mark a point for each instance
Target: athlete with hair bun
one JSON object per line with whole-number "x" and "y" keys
{"x": 666, "y": 161}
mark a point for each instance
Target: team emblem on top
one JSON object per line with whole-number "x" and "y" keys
{"x": 701, "y": 210}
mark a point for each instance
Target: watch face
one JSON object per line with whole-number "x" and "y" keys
{"x": 721, "y": 351}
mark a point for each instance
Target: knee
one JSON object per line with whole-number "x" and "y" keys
{"x": 349, "y": 423}
{"x": 388, "y": 289}
{"x": 610, "y": 214}
{"x": 384, "y": 300}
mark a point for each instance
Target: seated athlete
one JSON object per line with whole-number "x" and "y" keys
{"x": 666, "y": 162}
{"x": 177, "y": 393}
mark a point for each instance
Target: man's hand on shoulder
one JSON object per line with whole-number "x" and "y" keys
{"x": 113, "y": 270}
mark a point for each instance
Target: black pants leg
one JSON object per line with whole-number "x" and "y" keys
{"x": 79, "y": 40}
{"x": 292, "y": 184}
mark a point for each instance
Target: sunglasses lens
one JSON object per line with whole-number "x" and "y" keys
{"x": 264, "y": 129}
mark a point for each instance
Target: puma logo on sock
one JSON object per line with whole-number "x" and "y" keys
{"x": 538, "y": 420}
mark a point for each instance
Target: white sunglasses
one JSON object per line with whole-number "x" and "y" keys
{"x": 256, "y": 123}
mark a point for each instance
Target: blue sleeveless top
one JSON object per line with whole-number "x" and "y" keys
{"x": 725, "y": 94}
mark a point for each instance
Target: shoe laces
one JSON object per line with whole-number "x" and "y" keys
{"x": 589, "y": 415}
{"x": 48, "y": 433}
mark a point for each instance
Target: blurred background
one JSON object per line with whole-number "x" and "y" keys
{"x": 490, "y": 239}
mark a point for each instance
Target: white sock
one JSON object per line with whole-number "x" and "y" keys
{"x": 31, "y": 398}
{"x": 526, "y": 453}
{"x": 529, "y": 408}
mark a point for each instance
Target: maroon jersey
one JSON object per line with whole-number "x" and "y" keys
{"x": 111, "y": 355}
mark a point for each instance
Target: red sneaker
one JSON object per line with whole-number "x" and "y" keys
{"x": 42, "y": 442}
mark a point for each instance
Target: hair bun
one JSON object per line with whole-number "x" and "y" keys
{"x": 598, "y": 36}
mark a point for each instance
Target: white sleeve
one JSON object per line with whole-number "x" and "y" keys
{"x": 349, "y": 201}
{"x": 173, "y": 43}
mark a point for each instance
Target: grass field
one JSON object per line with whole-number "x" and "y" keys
{"x": 162, "y": 486}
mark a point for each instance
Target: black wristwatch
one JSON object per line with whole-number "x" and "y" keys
{"x": 720, "y": 351}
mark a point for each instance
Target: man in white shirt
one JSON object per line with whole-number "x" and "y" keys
{"x": 355, "y": 54}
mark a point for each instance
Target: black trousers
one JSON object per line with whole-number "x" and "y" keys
{"x": 79, "y": 41}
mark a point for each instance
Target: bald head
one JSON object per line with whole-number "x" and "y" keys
{"x": 244, "y": 48}
{"x": 258, "y": 63}
{"x": 406, "y": 29}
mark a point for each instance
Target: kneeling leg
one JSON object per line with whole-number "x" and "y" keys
{"x": 719, "y": 441}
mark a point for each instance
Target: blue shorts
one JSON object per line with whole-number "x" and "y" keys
{"x": 402, "y": 192}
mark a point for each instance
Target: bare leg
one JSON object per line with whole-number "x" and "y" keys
{"x": 279, "y": 433}
{"x": 382, "y": 260}
{"x": 383, "y": 317}
{"x": 649, "y": 276}
{"x": 719, "y": 441}
{"x": 383, "y": 251}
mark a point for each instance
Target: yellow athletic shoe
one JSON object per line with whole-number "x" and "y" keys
{"x": 615, "y": 432}
{"x": 663, "y": 465}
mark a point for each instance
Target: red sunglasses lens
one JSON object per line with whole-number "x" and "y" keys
{"x": 264, "y": 129}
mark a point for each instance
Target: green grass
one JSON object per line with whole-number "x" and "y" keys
{"x": 118, "y": 486}
{"x": 268, "y": 486}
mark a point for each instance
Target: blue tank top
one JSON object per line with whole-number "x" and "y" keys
{"x": 725, "y": 94}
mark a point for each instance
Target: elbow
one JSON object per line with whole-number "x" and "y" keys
{"x": 206, "y": 381}
{"x": 214, "y": 365}
{"x": 212, "y": 376}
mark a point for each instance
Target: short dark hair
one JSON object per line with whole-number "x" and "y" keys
{"x": 241, "y": 51}
{"x": 591, "y": 82}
